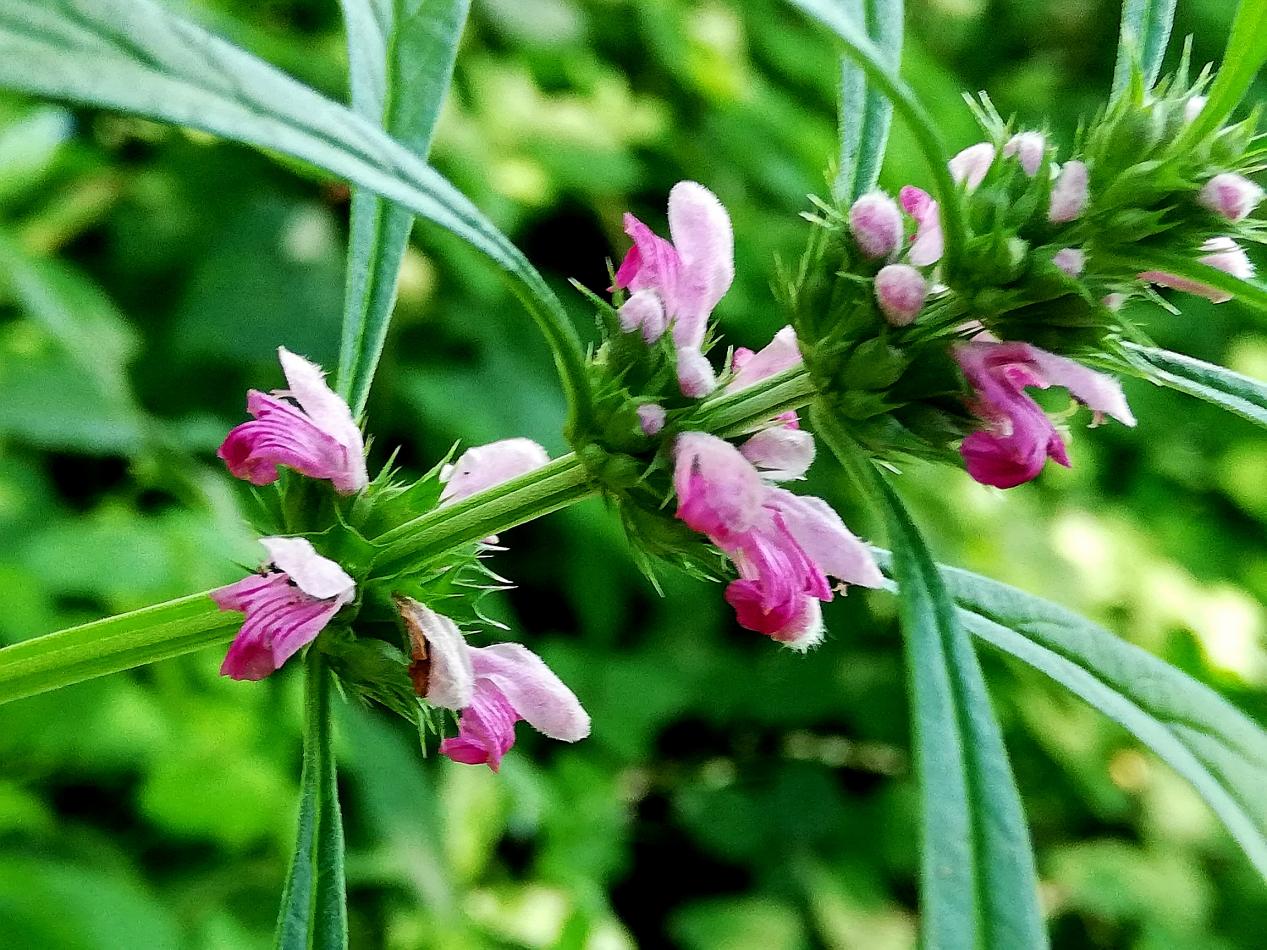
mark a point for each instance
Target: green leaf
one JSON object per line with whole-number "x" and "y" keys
{"x": 978, "y": 882}
{"x": 1245, "y": 55}
{"x": 1189, "y": 726}
{"x": 136, "y": 56}
{"x": 1224, "y": 388}
{"x": 314, "y": 903}
{"x": 112, "y": 645}
{"x": 401, "y": 55}
{"x": 865, "y": 114}
{"x": 1142, "y": 43}
{"x": 881, "y": 70}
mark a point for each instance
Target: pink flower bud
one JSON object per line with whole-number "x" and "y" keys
{"x": 900, "y": 291}
{"x": 928, "y": 244}
{"x": 1192, "y": 108}
{"x": 1222, "y": 253}
{"x": 484, "y": 466}
{"x": 876, "y": 224}
{"x": 695, "y": 374}
{"x": 1028, "y": 148}
{"x": 644, "y": 311}
{"x": 1071, "y": 260}
{"x": 1232, "y": 196}
{"x": 1069, "y": 193}
{"x": 1113, "y": 301}
{"x": 286, "y": 606}
{"x": 970, "y": 166}
{"x": 651, "y": 418}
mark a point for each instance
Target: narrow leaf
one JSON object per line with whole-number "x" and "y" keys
{"x": 314, "y": 903}
{"x": 1245, "y": 55}
{"x": 1189, "y": 726}
{"x": 401, "y": 57}
{"x": 1142, "y": 43}
{"x": 978, "y": 882}
{"x": 136, "y": 56}
{"x": 1222, "y": 387}
{"x": 866, "y": 113}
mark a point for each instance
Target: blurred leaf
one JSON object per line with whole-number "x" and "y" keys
{"x": 738, "y": 923}
{"x": 1142, "y": 45}
{"x": 1194, "y": 730}
{"x": 29, "y": 143}
{"x": 401, "y": 62}
{"x": 1229, "y": 390}
{"x": 314, "y": 914}
{"x": 1245, "y": 55}
{"x": 865, "y": 114}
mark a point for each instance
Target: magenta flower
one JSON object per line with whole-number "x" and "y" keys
{"x": 970, "y": 166}
{"x": 1027, "y": 148}
{"x": 484, "y": 466}
{"x": 928, "y": 244}
{"x": 315, "y": 434}
{"x": 1231, "y": 196}
{"x": 1222, "y": 253}
{"x": 689, "y": 275}
{"x": 783, "y": 546}
{"x": 492, "y": 688}
{"x": 286, "y": 605}
{"x": 900, "y": 290}
{"x": 1019, "y": 437}
{"x": 876, "y": 225}
{"x": 1069, "y": 193}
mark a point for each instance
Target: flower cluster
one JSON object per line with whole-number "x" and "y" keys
{"x": 299, "y": 592}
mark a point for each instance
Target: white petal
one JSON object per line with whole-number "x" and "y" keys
{"x": 484, "y": 466}
{"x": 315, "y": 575}
{"x": 533, "y": 689}
{"x": 451, "y": 678}
{"x": 325, "y": 408}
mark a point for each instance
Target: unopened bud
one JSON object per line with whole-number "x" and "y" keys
{"x": 1070, "y": 260}
{"x": 876, "y": 224}
{"x": 900, "y": 291}
{"x": 695, "y": 374}
{"x": 1069, "y": 193}
{"x": 1192, "y": 108}
{"x": 651, "y": 417}
{"x": 1230, "y": 195}
{"x": 969, "y": 167}
{"x": 644, "y": 311}
{"x": 1028, "y": 149}
{"x": 1222, "y": 253}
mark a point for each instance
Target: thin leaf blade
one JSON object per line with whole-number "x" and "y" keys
{"x": 1217, "y": 385}
{"x": 866, "y": 114}
{"x": 1142, "y": 42}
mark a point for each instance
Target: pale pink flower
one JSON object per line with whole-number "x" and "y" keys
{"x": 491, "y": 687}
{"x": 306, "y": 428}
{"x": 484, "y": 466}
{"x": 928, "y": 244}
{"x": 876, "y": 225}
{"x": 719, "y": 492}
{"x": 781, "y": 453}
{"x": 780, "y": 354}
{"x": 1222, "y": 253}
{"x": 691, "y": 274}
{"x": 970, "y": 166}
{"x": 1069, "y": 193}
{"x": 287, "y": 604}
{"x": 651, "y": 418}
{"x": 900, "y": 290}
{"x": 1019, "y": 437}
{"x": 1028, "y": 148}
{"x": 1071, "y": 260}
{"x": 695, "y": 374}
{"x": 1232, "y": 196}
{"x": 644, "y": 311}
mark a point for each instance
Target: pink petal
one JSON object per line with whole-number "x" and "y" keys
{"x": 450, "y": 675}
{"x": 821, "y": 533}
{"x": 705, "y": 243}
{"x": 651, "y": 418}
{"x": 719, "y": 492}
{"x": 484, "y": 466}
{"x": 782, "y": 454}
{"x": 1097, "y": 391}
{"x": 1069, "y": 194}
{"x": 282, "y": 435}
{"x": 652, "y": 263}
{"x": 1028, "y": 148}
{"x": 532, "y": 689}
{"x": 1231, "y": 196}
{"x": 644, "y": 311}
{"x": 900, "y": 291}
{"x": 486, "y": 729}
{"x": 780, "y": 354}
{"x": 328, "y": 412}
{"x": 929, "y": 244}
{"x": 876, "y": 225}
{"x": 695, "y": 374}
{"x": 970, "y": 166}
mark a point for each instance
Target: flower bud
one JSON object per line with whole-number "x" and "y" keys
{"x": 928, "y": 244}
{"x": 1028, "y": 149}
{"x": 644, "y": 310}
{"x": 876, "y": 224}
{"x": 695, "y": 374}
{"x": 1192, "y": 108}
{"x": 969, "y": 167}
{"x": 1222, "y": 253}
{"x": 1232, "y": 196}
{"x": 781, "y": 454}
{"x": 1069, "y": 194}
{"x": 651, "y": 418}
{"x": 900, "y": 291}
{"x": 1070, "y": 260}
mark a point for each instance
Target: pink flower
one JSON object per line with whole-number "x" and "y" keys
{"x": 492, "y": 687}
{"x": 691, "y": 274}
{"x": 928, "y": 244}
{"x": 900, "y": 291}
{"x": 651, "y": 418}
{"x": 782, "y": 453}
{"x": 1224, "y": 254}
{"x": 1028, "y": 148}
{"x": 1232, "y": 196}
{"x": 1069, "y": 193}
{"x": 317, "y": 438}
{"x": 695, "y": 375}
{"x": 1019, "y": 437}
{"x": 779, "y": 355}
{"x": 970, "y": 166}
{"x": 783, "y": 546}
{"x": 644, "y": 311}
{"x": 484, "y": 466}
{"x": 286, "y": 605}
{"x": 1071, "y": 260}
{"x": 876, "y": 225}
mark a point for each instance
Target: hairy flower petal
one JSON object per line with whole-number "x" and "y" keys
{"x": 484, "y": 466}
{"x": 705, "y": 242}
{"x": 782, "y": 454}
{"x": 780, "y": 354}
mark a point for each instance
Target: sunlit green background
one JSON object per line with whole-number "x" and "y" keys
{"x": 733, "y": 795}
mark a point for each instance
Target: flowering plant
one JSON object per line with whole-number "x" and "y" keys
{"x": 917, "y": 326}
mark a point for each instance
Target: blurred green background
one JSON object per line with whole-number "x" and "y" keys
{"x": 733, "y": 795}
